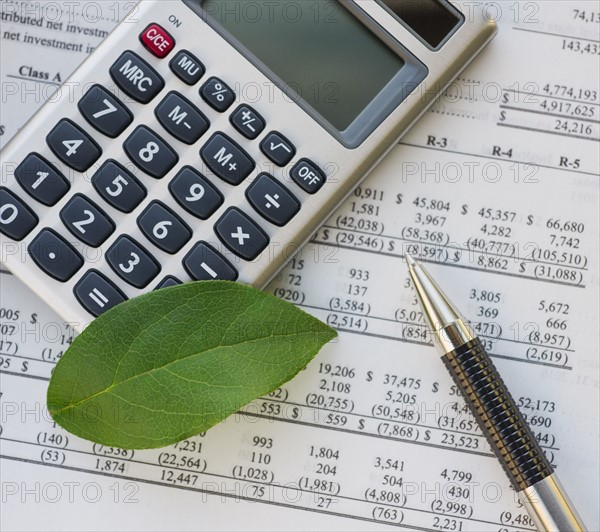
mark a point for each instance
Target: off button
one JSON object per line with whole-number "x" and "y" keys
{"x": 157, "y": 40}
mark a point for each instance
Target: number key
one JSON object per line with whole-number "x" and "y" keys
{"x": 105, "y": 112}
{"x": 164, "y": 228}
{"x": 86, "y": 221}
{"x": 41, "y": 180}
{"x": 17, "y": 220}
{"x": 150, "y": 153}
{"x": 131, "y": 262}
{"x": 118, "y": 187}
{"x": 195, "y": 194}
{"x": 73, "y": 146}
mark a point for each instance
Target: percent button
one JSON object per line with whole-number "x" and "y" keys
{"x": 217, "y": 94}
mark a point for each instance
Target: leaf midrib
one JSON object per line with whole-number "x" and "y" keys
{"x": 151, "y": 371}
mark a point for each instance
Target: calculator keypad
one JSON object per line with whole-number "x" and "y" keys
{"x": 54, "y": 255}
{"x": 195, "y": 193}
{"x": 72, "y": 146}
{"x": 136, "y": 78}
{"x": 217, "y": 94}
{"x": 182, "y": 119}
{"x": 17, "y": 220}
{"x": 41, "y": 180}
{"x": 150, "y": 153}
{"x": 198, "y": 194}
{"x": 204, "y": 263}
{"x": 118, "y": 187}
{"x": 86, "y": 221}
{"x": 164, "y": 228}
{"x": 187, "y": 67}
{"x": 278, "y": 149}
{"x": 273, "y": 201}
{"x": 132, "y": 263}
{"x": 226, "y": 159}
{"x": 97, "y": 294}
{"x": 104, "y": 112}
{"x": 241, "y": 235}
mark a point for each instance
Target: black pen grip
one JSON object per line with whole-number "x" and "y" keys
{"x": 497, "y": 414}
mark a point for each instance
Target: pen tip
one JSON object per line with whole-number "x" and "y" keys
{"x": 410, "y": 261}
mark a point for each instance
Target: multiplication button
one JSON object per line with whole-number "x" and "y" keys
{"x": 97, "y": 294}
{"x": 241, "y": 235}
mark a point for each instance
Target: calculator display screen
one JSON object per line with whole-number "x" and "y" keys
{"x": 316, "y": 47}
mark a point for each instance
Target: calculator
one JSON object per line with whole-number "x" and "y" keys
{"x": 209, "y": 139}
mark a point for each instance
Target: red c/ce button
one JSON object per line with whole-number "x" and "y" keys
{"x": 157, "y": 40}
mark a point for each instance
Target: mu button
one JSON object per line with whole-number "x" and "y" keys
{"x": 241, "y": 235}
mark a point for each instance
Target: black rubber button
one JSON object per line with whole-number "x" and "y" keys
{"x": 167, "y": 282}
{"x": 217, "y": 94}
{"x": 247, "y": 121}
{"x": 136, "y": 78}
{"x": 241, "y": 235}
{"x": 41, "y": 180}
{"x": 272, "y": 200}
{"x": 118, "y": 187}
{"x": 187, "y": 67}
{"x": 17, "y": 220}
{"x": 86, "y": 221}
{"x": 54, "y": 255}
{"x": 73, "y": 146}
{"x": 132, "y": 262}
{"x": 278, "y": 149}
{"x": 308, "y": 176}
{"x": 164, "y": 228}
{"x": 104, "y": 112}
{"x": 180, "y": 118}
{"x": 204, "y": 263}
{"x": 150, "y": 153}
{"x": 195, "y": 194}
{"x": 97, "y": 294}
{"x": 226, "y": 159}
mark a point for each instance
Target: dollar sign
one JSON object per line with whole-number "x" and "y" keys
{"x": 361, "y": 424}
{"x": 2, "y": 130}
{"x": 427, "y": 435}
{"x": 456, "y": 256}
{"x": 369, "y": 376}
{"x": 326, "y": 234}
{"x": 502, "y": 116}
{"x": 295, "y": 413}
{"x": 33, "y": 319}
{"x": 465, "y": 209}
{"x": 435, "y": 387}
{"x": 25, "y": 366}
{"x": 530, "y": 220}
{"x": 399, "y": 199}
{"x": 391, "y": 246}
{"x": 522, "y": 268}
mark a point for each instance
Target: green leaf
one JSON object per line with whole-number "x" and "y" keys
{"x": 172, "y": 363}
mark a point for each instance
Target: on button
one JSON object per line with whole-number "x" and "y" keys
{"x": 157, "y": 40}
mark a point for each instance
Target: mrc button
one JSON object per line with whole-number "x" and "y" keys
{"x": 157, "y": 40}
{"x": 136, "y": 78}
{"x": 308, "y": 176}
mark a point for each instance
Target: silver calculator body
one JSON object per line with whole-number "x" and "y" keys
{"x": 255, "y": 161}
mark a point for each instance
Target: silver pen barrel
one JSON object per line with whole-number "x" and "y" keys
{"x": 495, "y": 410}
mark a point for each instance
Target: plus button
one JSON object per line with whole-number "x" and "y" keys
{"x": 240, "y": 236}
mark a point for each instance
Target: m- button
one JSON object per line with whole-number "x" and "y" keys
{"x": 157, "y": 40}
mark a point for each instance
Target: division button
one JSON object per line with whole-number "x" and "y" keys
{"x": 118, "y": 187}
{"x": 272, "y": 200}
{"x": 226, "y": 159}
{"x": 150, "y": 153}
{"x": 86, "y": 221}
{"x": 17, "y": 220}
{"x": 73, "y": 146}
{"x": 241, "y": 235}
{"x": 105, "y": 112}
{"x": 53, "y": 254}
{"x": 195, "y": 194}
{"x": 278, "y": 149}
{"x": 164, "y": 228}
{"x": 308, "y": 176}
{"x": 248, "y": 122}
{"x": 217, "y": 94}
{"x": 41, "y": 180}
{"x": 97, "y": 294}
{"x": 136, "y": 78}
{"x": 180, "y": 118}
{"x": 157, "y": 40}
{"x": 187, "y": 67}
{"x": 131, "y": 262}
{"x": 204, "y": 263}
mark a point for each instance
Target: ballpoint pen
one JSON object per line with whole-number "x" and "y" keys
{"x": 507, "y": 431}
